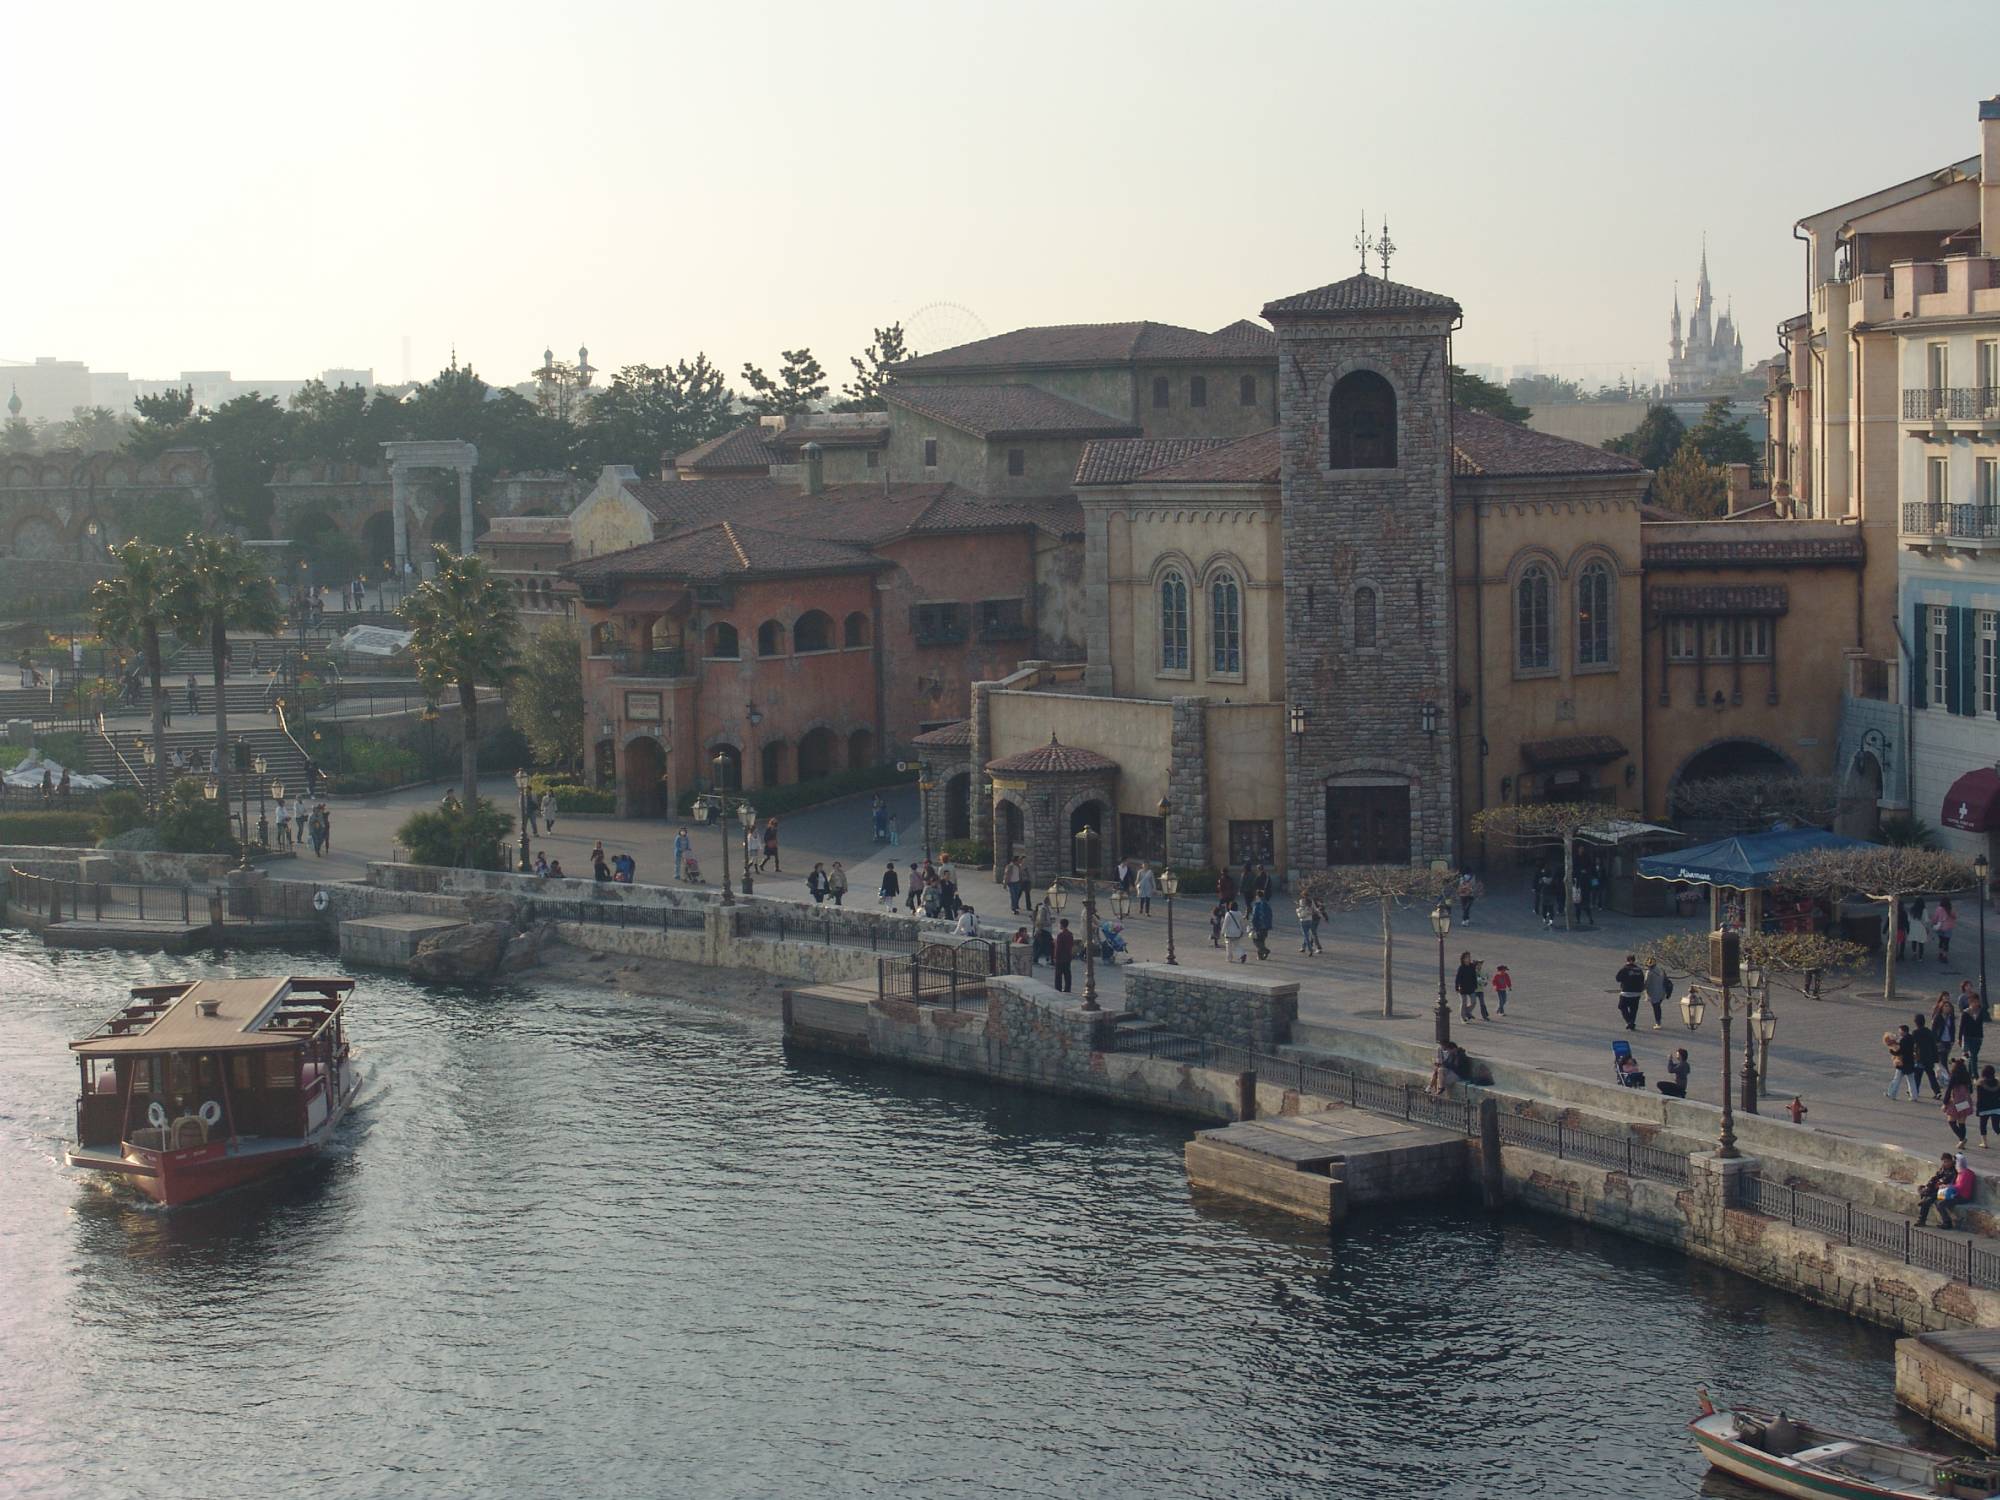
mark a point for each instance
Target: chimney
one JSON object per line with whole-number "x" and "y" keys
{"x": 670, "y": 469}
{"x": 815, "y": 469}
{"x": 1989, "y": 176}
{"x": 1739, "y": 488}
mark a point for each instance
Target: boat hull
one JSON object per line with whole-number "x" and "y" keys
{"x": 1779, "y": 1479}
{"x": 174, "y": 1179}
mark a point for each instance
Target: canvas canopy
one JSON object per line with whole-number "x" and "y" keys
{"x": 1746, "y": 862}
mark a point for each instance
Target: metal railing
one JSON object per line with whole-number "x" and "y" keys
{"x": 72, "y": 900}
{"x": 1954, "y": 403}
{"x": 1930, "y": 518}
{"x": 906, "y": 977}
{"x": 627, "y": 662}
{"x": 1871, "y": 1229}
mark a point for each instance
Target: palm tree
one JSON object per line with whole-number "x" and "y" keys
{"x": 131, "y": 610}
{"x": 217, "y": 586}
{"x": 463, "y": 633}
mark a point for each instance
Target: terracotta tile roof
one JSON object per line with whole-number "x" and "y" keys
{"x": 788, "y": 441}
{"x": 1719, "y": 599}
{"x": 725, "y": 549}
{"x": 1484, "y": 446}
{"x": 745, "y": 448}
{"x": 677, "y": 503}
{"x": 951, "y": 736}
{"x": 1362, "y": 294}
{"x": 1251, "y": 460}
{"x": 1054, "y": 758}
{"x": 1002, "y": 411}
{"x": 1573, "y": 749}
{"x": 1759, "y": 543}
{"x": 1101, "y": 344}
{"x": 1115, "y": 460}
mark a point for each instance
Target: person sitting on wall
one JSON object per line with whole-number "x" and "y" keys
{"x": 1937, "y": 1182}
{"x": 1449, "y": 1067}
{"x": 1675, "y": 1084}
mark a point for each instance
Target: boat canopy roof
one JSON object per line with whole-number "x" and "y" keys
{"x": 218, "y": 1015}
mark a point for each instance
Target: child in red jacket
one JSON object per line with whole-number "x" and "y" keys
{"x": 1503, "y": 982}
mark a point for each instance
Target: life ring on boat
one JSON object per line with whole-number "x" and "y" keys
{"x": 156, "y": 1115}
{"x": 320, "y": 900}
{"x": 211, "y": 1114}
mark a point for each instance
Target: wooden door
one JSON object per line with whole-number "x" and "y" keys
{"x": 1368, "y": 825}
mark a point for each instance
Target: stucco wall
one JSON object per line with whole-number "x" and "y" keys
{"x": 1224, "y": 416}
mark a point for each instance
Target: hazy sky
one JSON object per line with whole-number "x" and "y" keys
{"x": 273, "y": 189}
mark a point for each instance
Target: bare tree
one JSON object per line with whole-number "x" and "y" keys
{"x": 1744, "y": 803}
{"x": 1525, "y": 824}
{"x": 1351, "y": 887}
{"x": 1798, "y": 960}
{"x": 1876, "y": 873}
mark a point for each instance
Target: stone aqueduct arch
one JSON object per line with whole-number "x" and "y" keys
{"x": 404, "y": 460}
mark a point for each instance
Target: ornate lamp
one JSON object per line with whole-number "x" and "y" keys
{"x": 1694, "y": 1006}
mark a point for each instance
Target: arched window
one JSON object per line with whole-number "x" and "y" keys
{"x": 603, "y": 639}
{"x": 1163, "y": 391}
{"x": 1197, "y": 390}
{"x": 1173, "y": 623}
{"x": 770, "y": 639}
{"x": 1364, "y": 618}
{"x": 1593, "y": 615}
{"x": 722, "y": 643}
{"x": 1534, "y": 647}
{"x": 1361, "y": 423}
{"x": 813, "y": 632}
{"x": 854, "y": 630}
{"x": 1225, "y": 600}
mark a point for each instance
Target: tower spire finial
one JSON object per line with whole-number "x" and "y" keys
{"x": 1361, "y": 242}
{"x": 1385, "y": 247}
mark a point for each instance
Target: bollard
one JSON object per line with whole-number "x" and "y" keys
{"x": 97, "y": 898}
{"x": 187, "y": 918}
{"x": 1491, "y": 1183}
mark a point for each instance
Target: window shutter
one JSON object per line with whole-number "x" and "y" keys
{"x": 1920, "y": 667}
{"x": 1965, "y": 630}
{"x": 1954, "y": 696}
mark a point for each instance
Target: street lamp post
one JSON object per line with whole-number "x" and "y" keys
{"x": 1086, "y": 854}
{"x": 262, "y": 767}
{"x": 242, "y": 806}
{"x": 1753, "y": 995}
{"x": 1441, "y": 925}
{"x": 1722, "y": 946}
{"x": 1170, "y": 887}
{"x": 521, "y": 786}
{"x": 1980, "y": 868}
{"x": 714, "y": 806}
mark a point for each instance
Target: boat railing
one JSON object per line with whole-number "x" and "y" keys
{"x": 107, "y": 900}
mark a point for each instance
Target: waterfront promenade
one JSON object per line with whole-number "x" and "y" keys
{"x": 1563, "y": 1017}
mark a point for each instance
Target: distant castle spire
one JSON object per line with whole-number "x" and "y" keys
{"x": 1710, "y": 357}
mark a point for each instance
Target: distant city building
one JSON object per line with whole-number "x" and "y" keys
{"x": 51, "y": 389}
{"x": 1711, "y": 357}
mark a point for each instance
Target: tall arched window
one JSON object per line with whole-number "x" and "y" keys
{"x": 770, "y": 639}
{"x": 1173, "y": 623}
{"x": 722, "y": 643}
{"x": 1361, "y": 422}
{"x": 1364, "y": 618}
{"x": 1593, "y": 615}
{"x": 1534, "y": 648}
{"x": 1225, "y": 601}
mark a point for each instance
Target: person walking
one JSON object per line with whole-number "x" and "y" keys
{"x": 1546, "y": 886}
{"x": 878, "y": 815}
{"x": 194, "y": 695}
{"x": 1469, "y": 988}
{"x": 1311, "y": 914}
{"x": 1920, "y": 930}
{"x": 890, "y": 889}
{"x": 1631, "y": 982}
{"x": 682, "y": 846}
{"x": 325, "y": 825}
{"x": 1043, "y": 950}
{"x": 549, "y": 811}
{"x": 1903, "y": 1050}
{"x": 1943, "y": 1022}
{"x": 916, "y": 888}
{"x": 816, "y": 883}
{"x": 1147, "y": 884}
{"x": 770, "y": 858}
{"x": 1468, "y": 892}
{"x": 836, "y": 883}
{"x": 1944, "y": 922}
{"x": 301, "y": 814}
{"x": 1503, "y": 986}
{"x": 1986, "y": 1100}
{"x": 1659, "y": 988}
{"x": 1232, "y": 936}
{"x": 529, "y": 807}
{"x": 1064, "y": 954}
{"x": 1972, "y": 1029}
{"x": 1926, "y": 1053}
{"x": 1261, "y": 923}
{"x": 1958, "y": 1104}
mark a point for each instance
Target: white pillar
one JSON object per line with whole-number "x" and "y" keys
{"x": 465, "y": 512}
{"x": 399, "y": 510}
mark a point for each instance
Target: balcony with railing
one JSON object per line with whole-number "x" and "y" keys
{"x": 1974, "y": 525}
{"x": 1954, "y": 403}
{"x": 1872, "y": 678}
{"x": 627, "y": 662}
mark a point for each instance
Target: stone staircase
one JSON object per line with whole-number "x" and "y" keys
{"x": 125, "y": 765}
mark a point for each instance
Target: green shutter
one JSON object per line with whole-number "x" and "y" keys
{"x": 1920, "y": 673}
{"x": 1965, "y": 627}
{"x": 1954, "y": 659}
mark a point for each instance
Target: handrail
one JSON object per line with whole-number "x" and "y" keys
{"x": 119, "y": 755}
{"x": 285, "y": 728}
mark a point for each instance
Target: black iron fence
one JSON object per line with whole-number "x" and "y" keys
{"x": 98, "y": 900}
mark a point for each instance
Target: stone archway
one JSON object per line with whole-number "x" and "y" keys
{"x": 817, "y": 749}
{"x": 405, "y": 460}
{"x": 642, "y": 790}
{"x": 1010, "y": 830}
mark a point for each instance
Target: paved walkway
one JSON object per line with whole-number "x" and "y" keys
{"x": 1563, "y": 1014}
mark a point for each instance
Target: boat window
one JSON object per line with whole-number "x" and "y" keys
{"x": 142, "y": 1075}
{"x": 179, "y": 1074}
{"x": 281, "y": 1070}
{"x": 241, "y": 1068}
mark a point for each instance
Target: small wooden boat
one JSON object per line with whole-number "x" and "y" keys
{"x": 199, "y": 1087}
{"x": 1789, "y": 1457}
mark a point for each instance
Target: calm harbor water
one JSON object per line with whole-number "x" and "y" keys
{"x": 580, "y": 1243}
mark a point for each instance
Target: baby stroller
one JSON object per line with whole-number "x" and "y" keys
{"x": 691, "y": 869}
{"x": 1625, "y": 1067}
{"x": 1111, "y": 942}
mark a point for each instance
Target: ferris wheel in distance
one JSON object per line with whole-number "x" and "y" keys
{"x": 942, "y": 325}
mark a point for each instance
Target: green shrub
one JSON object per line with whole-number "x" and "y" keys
{"x": 372, "y": 765}
{"x": 574, "y": 796}
{"x": 64, "y": 749}
{"x": 11, "y": 756}
{"x": 462, "y": 838}
{"x": 68, "y": 830}
{"x": 121, "y": 811}
{"x": 191, "y": 824}
{"x": 775, "y": 801}
{"x": 966, "y": 852}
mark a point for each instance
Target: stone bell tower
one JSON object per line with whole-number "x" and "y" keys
{"x": 1364, "y": 415}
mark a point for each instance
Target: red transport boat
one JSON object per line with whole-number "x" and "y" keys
{"x": 199, "y": 1087}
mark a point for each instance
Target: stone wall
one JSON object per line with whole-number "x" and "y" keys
{"x": 1223, "y": 1007}
{"x": 723, "y": 944}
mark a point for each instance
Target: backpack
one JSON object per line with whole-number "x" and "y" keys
{"x": 1668, "y": 992}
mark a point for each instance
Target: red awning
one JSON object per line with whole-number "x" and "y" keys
{"x": 1973, "y": 803}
